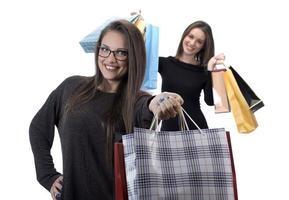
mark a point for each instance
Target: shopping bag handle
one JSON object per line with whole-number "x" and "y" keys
{"x": 183, "y": 111}
{"x": 184, "y": 125}
{"x": 226, "y": 66}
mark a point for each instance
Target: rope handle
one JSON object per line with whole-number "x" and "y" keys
{"x": 183, "y": 123}
{"x": 222, "y": 69}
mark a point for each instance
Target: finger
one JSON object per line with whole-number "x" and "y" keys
{"x": 175, "y": 96}
{"x": 58, "y": 185}
{"x": 158, "y": 112}
{"x": 161, "y": 111}
{"x": 220, "y": 56}
{"x": 176, "y": 105}
{"x": 168, "y": 109}
{"x": 53, "y": 194}
{"x": 219, "y": 62}
{"x": 60, "y": 178}
{"x": 55, "y": 191}
{"x": 161, "y": 99}
{"x": 164, "y": 111}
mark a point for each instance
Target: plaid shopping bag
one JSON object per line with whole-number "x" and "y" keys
{"x": 181, "y": 165}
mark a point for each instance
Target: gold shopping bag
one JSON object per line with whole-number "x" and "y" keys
{"x": 244, "y": 117}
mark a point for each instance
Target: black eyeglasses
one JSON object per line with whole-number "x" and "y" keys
{"x": 119, "y": 54}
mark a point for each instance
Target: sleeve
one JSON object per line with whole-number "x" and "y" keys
{"x": 41, "y": 135}
{"x": 208, "y": 90}
{"x": 161, "y": 60}
{"x": 143, "y": 116}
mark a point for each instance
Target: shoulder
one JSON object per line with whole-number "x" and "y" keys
{"x": 168, "y": 60}
{"x": 69, "y": 85}
{"x": 164, "y": 62}
{"x": 165, "y": 59}
{"x": 73, "y": 82}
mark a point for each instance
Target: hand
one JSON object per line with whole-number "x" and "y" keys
{"x": 166, "y": 105}
{"x": 56, "y": 187}
{"x": 216, "y": 60}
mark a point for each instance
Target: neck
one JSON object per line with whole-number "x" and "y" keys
{"x": 107, "y": 86}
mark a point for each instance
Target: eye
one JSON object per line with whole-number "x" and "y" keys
{"x": 104, "y": 49}
{"x": 191, "y": 36}
{"x": 121, "y": 53}
{"x": 200, "y": 42}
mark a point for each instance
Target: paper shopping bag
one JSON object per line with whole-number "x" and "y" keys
{"x": 221, "y": 101}
{"x": 244, "y": 117}
{"x": 119, "y": 173}
{"x": 152, "y": 57}
{"x": 254, "y": 102}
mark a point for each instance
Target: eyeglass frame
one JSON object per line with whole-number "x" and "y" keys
{"x": 113, "y": 52}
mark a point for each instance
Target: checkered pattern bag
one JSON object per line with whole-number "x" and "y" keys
{"x": 179, "y": 165}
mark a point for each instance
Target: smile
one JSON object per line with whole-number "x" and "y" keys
{"x": 110, "y": 67}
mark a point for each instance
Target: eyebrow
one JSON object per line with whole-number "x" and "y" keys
{"x": 121, "y": 49}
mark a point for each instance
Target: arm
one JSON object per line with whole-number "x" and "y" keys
{"x": 208, "y": 89}
{"x": 143, "y": 116}
{"x": 41, "y": 134}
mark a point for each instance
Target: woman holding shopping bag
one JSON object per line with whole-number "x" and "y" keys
{"x": 87, "y": 111}
{"x": 189, "y": 72}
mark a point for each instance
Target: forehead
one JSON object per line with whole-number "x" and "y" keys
{"x": 114, "y": 40}
{"x": 198, "y": 33}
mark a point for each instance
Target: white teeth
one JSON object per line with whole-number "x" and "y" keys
{"x": 190, "y": 48}
{"x": 110, "y": 67}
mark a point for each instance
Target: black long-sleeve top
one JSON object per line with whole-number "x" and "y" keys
{"x": 188, "y": 81}
{"x": 87, "y": 175}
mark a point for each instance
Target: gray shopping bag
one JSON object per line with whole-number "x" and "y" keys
{"x": 181, "y": 165}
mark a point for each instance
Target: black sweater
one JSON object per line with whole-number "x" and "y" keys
{"x": 87, "y": 176}
{"x": 188, "y": 81}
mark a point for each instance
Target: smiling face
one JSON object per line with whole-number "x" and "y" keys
{"x": 194, "y": 42}
{"x": 113, "y": 67}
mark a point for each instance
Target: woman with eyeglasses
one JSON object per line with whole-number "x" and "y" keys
{"x": 189, "y": 73}
{"x": 88, "y": 111}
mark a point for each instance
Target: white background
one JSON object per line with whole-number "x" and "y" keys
{"x": 39, "y": 48}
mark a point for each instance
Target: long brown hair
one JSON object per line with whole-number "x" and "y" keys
{"x": 128, "y": 89}
{"x": 208, "y": 50}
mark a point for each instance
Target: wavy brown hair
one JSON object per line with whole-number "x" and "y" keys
{"x": 208, "y": 50}
{"x": 128, "y": 89}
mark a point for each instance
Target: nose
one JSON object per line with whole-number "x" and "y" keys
{"x": 192, "y": 43}
{"x": 111, "y": 57}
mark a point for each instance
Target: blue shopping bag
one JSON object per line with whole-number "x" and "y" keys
{"x": 152, "y": 57}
